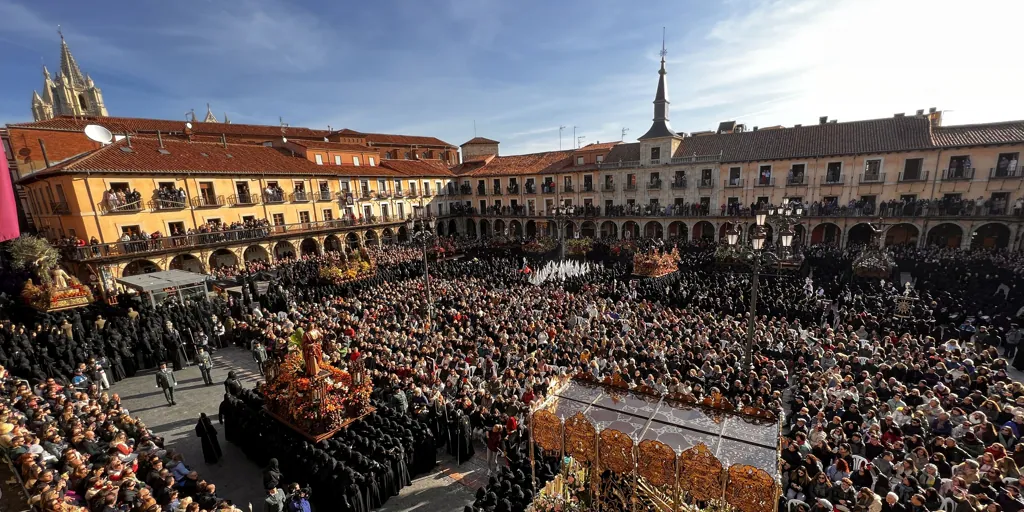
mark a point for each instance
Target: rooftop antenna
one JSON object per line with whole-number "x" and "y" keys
{"x": 663, "y": 50}
{"x": 560, "y": 128}
{"x": 624, "y": 130}
{"x": 574, "y": 132}
{"x": 579, "y": 141}
{"x": 474, "y": 128}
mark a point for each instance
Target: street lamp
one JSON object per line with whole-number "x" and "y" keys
{"x": 424, "y": 236}
{"x": 783, "y": 216}
{"x": 560, "y": 216}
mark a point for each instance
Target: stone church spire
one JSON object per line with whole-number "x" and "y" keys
{"x": 69, "y": 93}
{"x": 210, "y": 118}
{"x": 661, "y": 127}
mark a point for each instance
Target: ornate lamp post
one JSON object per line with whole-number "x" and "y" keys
{"x": 560, "y": 216}
{"x": 424, "y": 236}
{"x": 785, "y": 217}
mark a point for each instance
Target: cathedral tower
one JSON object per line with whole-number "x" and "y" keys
{"x": 69, "y": 93}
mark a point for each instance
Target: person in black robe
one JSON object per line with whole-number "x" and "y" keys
{"x": 208, "y": 435}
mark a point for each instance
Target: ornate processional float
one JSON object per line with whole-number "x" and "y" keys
{"x": 621, "y": 449}
{"x": 312, "y": 397}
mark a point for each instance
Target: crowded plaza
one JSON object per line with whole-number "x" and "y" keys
{"x": 879, "y": 406}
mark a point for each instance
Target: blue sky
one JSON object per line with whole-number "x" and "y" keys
{"x": 521, "y": 69}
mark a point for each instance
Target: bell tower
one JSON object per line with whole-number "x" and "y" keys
{"x": 660, "y": 142}
{"x": 69, "y": 93}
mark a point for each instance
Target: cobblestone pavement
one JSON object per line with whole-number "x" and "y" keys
{"x": 448, "y": 488}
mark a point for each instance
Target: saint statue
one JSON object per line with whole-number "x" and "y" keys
{"x": 312, "y": 354}
{"x": 59, "y": 277}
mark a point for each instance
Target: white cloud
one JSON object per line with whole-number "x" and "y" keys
{"x": 790, "y": 61}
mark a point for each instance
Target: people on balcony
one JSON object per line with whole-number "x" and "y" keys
{"x": 122, "y": 199}
{"x": 170, "y": 197}
{"x": 274, "y": 193}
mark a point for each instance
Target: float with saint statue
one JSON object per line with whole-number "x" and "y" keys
{"x": 312, "y": 397}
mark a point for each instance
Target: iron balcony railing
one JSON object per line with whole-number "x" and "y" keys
{"x": 548, "y": 188}
{"x": 496, "y": 191}
{"x": 653, "y": 185}
{"x": 799, "y": 180}
{"x": 567, "y": 187}
{"x": 513, "y": 189}
{"x": 132, "y": 207}
{"x": 835, "y": 179}
{"x": 619, "y": 164}
{"x": 913, "y": 176}
{"x": 323, "y": 195}
{"x": 733, "y": 183}
{"x": 608, "y": 187}
{"x": 301, "y": 197}
{"x": 273, "y": 197}
{"x": 213, "y": 238}
{"x": 481, "y": 190}
{"x": 588, "y": 187}
{"x": 383, "y": 194}
{"x": 957, "y": 174}
{"x": 679, "y": 183}
{"x": 60, "y": 208}
{"x": 706, "y": 183}
{"x": 1004, "y": 173}
{"x": 630, "y": 187}
{"x": 204, "y": 201}
{"x": 168, "y": 204}
{"x": 531, "y": 188}
{"x": 244, "y": 200}
{"x": 872, "y": 177}
{"x": 765, "y": 182}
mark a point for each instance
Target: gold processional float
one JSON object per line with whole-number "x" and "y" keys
{"x": 691, "y": 455}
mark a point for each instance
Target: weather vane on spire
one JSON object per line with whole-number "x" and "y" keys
{"x": 663, "y": 50}
{"x": 60, "y": 32}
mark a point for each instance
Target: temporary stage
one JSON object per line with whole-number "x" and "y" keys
{"x": 158, "y": 286}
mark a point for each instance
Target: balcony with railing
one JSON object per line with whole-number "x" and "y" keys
{"x": 164, "y": 204}
{"x": 531, "y": 188}
{"x": 273, "y": 197}
{"x": 411, "y": 193}
{"x": 997, "y": 173}
{"x": 706, "y": 183}
{"x": 909, "y": 177}
{"x": 244, "y": 200}
{"x": 451, "y": 189}
{"x": 629, "y": 187}
{"x": 513, "y": 188}
{"x": 118, "y": 207}
{"x": 481, "y": 190}
{"x": 618, "y": 164}
{"x": 872, "y": 177}
{"x": 496, "y": 191}
{"x": 765, "y": 182}
{"x": 301, "y": 197}
{"x": 383, "y": 194}
{"x": 834, "y": 179}
{"x": 679, "y": 183}
{"x": 567, "y": 187}
{"x": 796, "y": 180}
{"x": 654, "y": 185}
{"x": 323, "y": 195}
{"x": 608, "y": 187}
{"x": 213, "y": 238}
{"x": 733, "y": 183}
{"x": 365, "y": 194}
{"x": 60, "y": 208}
{"x": 958, "y": 174}
{"x": 548, "y": 188}
{"x": 205, "y": 201}
{"x": 466, "y": 189}
{"x": 399, "y": 194}
{"x": 697, "y": 159}
{"x": 426, "y": 192}
{"x": 588, "y": 187}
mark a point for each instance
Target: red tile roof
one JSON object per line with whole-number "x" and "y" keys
{"x": 336, "y": 146}
{"x": 979, "y": 134}
{"x": 426, "y": 168}
{"x": 857, "y": 137}
{"x": 480, "y": 140}
{"x": 348, "y": 133}
{"x": 383, "y": 139}
{"x": 599, "y": 146}
{"x": 535, "y": 163}
{"x": 629, "y": 152}
{"x": 199, "y": 158}
{"x": 140, "y": 125}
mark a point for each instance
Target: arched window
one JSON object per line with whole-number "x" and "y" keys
{"x": 81, "y": 102}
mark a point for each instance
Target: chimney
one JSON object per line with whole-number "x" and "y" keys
{"x": 42, "y": 146}
{"x": 901, "y": 114}
{"x": 920, "y": 112}
{"x": 160, "y": 139}
{"x": 755, "y": 129}
{"x": 797, "y": 125}
{"x": 834, "y": 121}
{"x": 822, "y": 119}
{"x": 935, "y": 116}
{"x": 128, "y": 137}
{"x": 223, "y": 141}
{"x": 931, "y": 110}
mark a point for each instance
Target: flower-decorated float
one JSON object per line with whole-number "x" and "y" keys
{"x": 57, "y": 289}
{"x": 656, "y": 264}
{"x": 311, "y": 396}
{"x": 349, "y": 268}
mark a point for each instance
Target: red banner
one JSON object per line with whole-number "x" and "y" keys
{"x": 8, "y": 207}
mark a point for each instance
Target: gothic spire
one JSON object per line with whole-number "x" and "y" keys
{"x": 36, "y": 100}
{"x": 68, "y": 67}
{"x": 210, "y": 118}
{"x": 661, "y": 127}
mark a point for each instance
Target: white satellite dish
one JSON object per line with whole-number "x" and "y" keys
{"x": 188, "y": 125}
{"x": 284, "y": 139}
{"x": 98, "y": 134}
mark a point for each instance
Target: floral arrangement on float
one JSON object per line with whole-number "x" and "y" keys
{"x": 540, "y": 245}
{"x": 57, "y": 289}
{"x": 357, "y": 266}
{"x": 622, "y": 247}
{"x": 563, "y": 494}
{"x": 311, "y": 396}
{"x": 579, "y": 246}
{"x": 656, "y": 264}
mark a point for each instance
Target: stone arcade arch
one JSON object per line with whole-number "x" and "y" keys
{"x": 588, "y": 229}
{"x": 223, "y": 258}
{"x": 188, "y": 263}
{"x": 499, "y": 227}
{"x": 723, "y": 230}
{"x": 485, "y": 228}
{"x": 352, "y": 239}
{"x": 388, "y": 236}
{"x": 902, "y": 234}
{"x": 654, "y": 229}
{"x": 860, "y": 234}
{"x": 403, "y": 234}
{"x": 255, "y": 253}
{"x": 284, "y": 250}
{"x": 332, "y": 243}
{"x": 994, "y": 235}
{"x": 309, "y": 247}
{"x": 946, "y": 234}
{"x": 371, "y": 237}
{"x": 531, "y": 228}
{"x": 515, "y": 228}
{"x": 704, "y": 230}
{"x": 678, "y": 229}
{"x": 471, "y": 228}
{"x": 136, "y": 267}
{"x": 826, "y": 233}
{"x": 631, "y": 230}
{"x": 609, "y": 230}
{"x": 453, "y": 227}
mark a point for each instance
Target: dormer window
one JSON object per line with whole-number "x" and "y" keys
{"x": 656, "y": 153}
{"x": 579, "y": 160}
{"x": 600, "y": 158}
